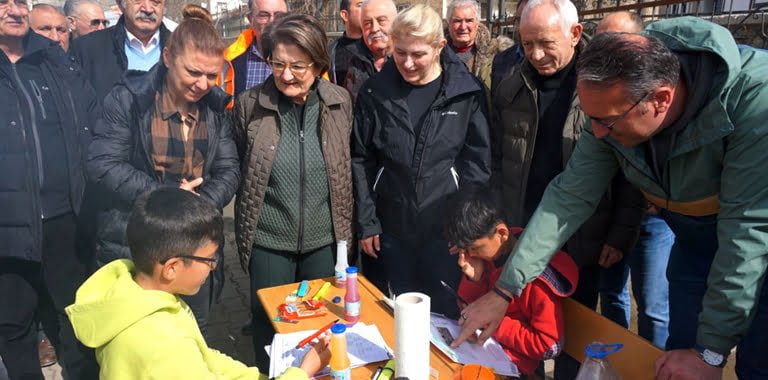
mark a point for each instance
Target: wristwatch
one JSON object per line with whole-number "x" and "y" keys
{"x": 710, "y": 357}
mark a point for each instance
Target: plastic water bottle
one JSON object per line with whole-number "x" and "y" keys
{"x": 352, "y": 297}
{"x": 340, "y": 364}
{"x": 341, "y": 264}
{"x": 595, "y": 366}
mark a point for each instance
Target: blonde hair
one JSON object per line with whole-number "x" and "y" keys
{"x": 419, "y": 21}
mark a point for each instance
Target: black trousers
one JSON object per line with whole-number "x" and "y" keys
{"x": 32, "y": 292}
{"x": 269, "y": 267}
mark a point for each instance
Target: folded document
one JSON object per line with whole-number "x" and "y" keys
{"x": 490, "y": 354}
{"x": 364, "y": 345}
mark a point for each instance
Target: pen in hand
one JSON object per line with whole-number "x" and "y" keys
{"x": 449, "y": 289}
{"x": 316, "y": 334}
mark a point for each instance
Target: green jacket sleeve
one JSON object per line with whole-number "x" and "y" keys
{"x": 567, "y": 202}
{"x": 738, "y": 269}
{"x": 183, "y": 359}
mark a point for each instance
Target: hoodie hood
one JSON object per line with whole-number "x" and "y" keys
{"x": 561, "y": 275}
{"x": 110, "y": 301}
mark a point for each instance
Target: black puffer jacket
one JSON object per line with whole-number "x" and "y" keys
{"x": 20, "y": 155}
{"x": 361, "y": 67}
{"x": 120, "y": 156}
{"x": 402, "y": 180}
{"x": 102, "y": 55}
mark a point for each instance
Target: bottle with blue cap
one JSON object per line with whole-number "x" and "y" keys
{"x": 341, "y": 367}
{"x": 352, "y": 297}
{"x": 595, "y": 365}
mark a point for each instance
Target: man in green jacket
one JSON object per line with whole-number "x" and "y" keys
{"x": 682, "y": 112}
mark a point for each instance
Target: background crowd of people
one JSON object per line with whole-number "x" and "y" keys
{"x": 637, "y": 154}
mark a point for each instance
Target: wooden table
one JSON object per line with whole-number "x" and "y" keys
{"x": 373, "y": 312}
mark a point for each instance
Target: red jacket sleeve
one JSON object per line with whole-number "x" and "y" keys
{"x": 470, "y": 290}
{"x": 537, "y": 336}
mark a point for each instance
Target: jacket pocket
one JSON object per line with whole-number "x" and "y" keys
{"x": 378, "y": 177}
{"x": 455, "y": 176}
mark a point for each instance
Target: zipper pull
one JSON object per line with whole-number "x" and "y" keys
{"x": 38, "y": 96}
{"x": 301, "y": 136}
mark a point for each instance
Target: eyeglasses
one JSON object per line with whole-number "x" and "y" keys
{"x": 609, "y": 126}
{"x": 96, "y": 22}
{"x": 212, "y": 261}
{"x": 297, "y": 69}
{"x": 265, "y": 17}
{"x": 4, "y": 4}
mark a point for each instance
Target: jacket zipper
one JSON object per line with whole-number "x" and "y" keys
{"x": 528, "y": 161}
{"x": 74, "y": 110}
{"x": 378, "y": 177}
{"x": 39, "y": 97}
{"x": 302, "y": 189}
{"x": 33, "y": 124}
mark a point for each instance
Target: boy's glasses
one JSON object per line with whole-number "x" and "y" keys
{"x": 212, "y": 261}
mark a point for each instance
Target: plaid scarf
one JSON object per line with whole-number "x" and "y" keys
{"x": 174, "y": 156}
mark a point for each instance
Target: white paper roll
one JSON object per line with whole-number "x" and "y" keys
{"x": 412, "y": 336}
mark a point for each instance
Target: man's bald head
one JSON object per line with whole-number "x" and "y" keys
{"x": 620, "y": 22}
{"x": 49, "y": 21}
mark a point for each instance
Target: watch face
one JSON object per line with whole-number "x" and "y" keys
{"x": 712, "y": 358}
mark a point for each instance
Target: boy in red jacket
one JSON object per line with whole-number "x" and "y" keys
{"x": 532, "y": 329}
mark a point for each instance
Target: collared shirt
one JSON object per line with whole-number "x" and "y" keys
{"x": 136, "y": 43}
{"x": 177, "y": 156}
{"x": 258, "y": 69}
{"x": 141, "y": 57}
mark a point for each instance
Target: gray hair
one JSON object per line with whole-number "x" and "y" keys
{"x": 250, "y": 5}
{"x": 48, "y": 7}
{"x": 366, "y": 2}
{"x": 640, "y": 63}
{"x": 462, "y": 4}
{"x": 71, "y": 6}
{"x": 566, "y": 12}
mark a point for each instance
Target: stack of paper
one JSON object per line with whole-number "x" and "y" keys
{"x": 364, "y": 345}
{"x": 490, "y": 354}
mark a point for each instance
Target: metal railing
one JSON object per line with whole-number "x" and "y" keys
{"x": 746, "y": 19}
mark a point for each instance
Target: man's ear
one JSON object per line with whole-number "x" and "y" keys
{"x": 344, "y": 15}
{"x": 576, "y": 31}
{"x": 661, "y": 99}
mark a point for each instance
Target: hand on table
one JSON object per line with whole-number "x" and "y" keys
{"x": 609, "y": 256}
{"x": 318, "y": 356}
{"x": 485, "y": 313}
{"x": 371, "y": 245}
{"x": 685, "y": 365}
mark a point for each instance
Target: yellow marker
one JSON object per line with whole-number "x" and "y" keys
{"x": 321, "y": 292}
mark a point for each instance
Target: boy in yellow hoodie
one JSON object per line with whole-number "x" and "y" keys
{"x": 130, "y": 312}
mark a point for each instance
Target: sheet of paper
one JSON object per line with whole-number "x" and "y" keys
{"x": 443, "y": 330}
{"x": 364, "y": 345}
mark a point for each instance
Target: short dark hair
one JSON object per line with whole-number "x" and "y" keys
{"x": 344, "y": 5}
{"x": 304, "y": 31}
{"x": 471, "y": 215}
{"x": 642, "y": 63}
{"x": 169, "y": 222}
